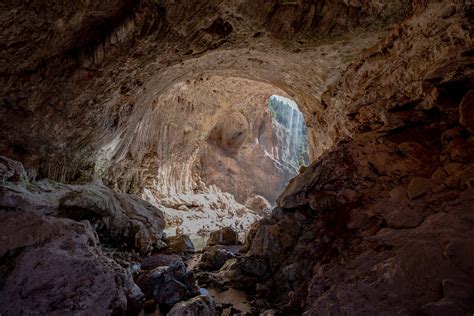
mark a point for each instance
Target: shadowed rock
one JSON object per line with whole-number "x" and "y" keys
{"x": 53, "y": 266}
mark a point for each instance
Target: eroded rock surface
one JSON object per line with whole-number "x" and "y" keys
{"x": 381, "y": 223}
{"x": 119, "y": 219}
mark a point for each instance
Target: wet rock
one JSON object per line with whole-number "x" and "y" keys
{"x": 201, "y": 305}
{"x": 223, "y": 236}
{"x": 180, "y": 244}
{"x": 55, "y": 266}
{"x": 214, "y": 257}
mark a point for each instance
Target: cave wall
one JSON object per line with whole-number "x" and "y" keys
{"x": 382, "y": 223}
{"x": 59, "y": 114}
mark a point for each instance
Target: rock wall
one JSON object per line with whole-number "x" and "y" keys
{"x": 382, "y": 224}
{"x": 136, "y": 52}
{"x": 146, "y": 96}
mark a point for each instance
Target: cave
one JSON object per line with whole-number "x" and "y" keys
{"x": 241, "y": 157}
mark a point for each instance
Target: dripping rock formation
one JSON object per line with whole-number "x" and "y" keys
{"x": 131, "y": 131}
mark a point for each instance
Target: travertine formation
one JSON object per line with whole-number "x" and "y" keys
{"x": 129, "y": 115}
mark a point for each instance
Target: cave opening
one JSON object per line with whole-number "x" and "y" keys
{"x": 250, "y": 146}
{"x": 290, "y": 129}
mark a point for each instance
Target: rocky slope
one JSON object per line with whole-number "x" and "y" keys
{"x": 106, "y": 104}
{"x": 382, "y": 224}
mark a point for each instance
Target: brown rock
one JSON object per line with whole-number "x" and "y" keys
{"x": 223, "y": 236}
{"x": 453, "y": 182}
{"x": 399, "y": 194}
{"x": 418, "y": 186}
{"x": 401, "y": 216}
{"x": 466, "y": 111}
{"x": 168, "y": 283}
{"x": 452, "y": 168}
{"x": 439, "y": 175}
{"x": 180, "y": 244}
{"x": 451, "y": 134}
{"x": 467, "y": 177}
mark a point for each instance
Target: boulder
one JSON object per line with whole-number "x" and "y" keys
{"x": 168, "y": 283}
{"x": 245, "y": 272}
{"x": 158, "y": 260}
{"x": 223, "y": 236}
{"x": 180, "y": 244}
{"x": 11, "y": 170}
{"x": 202, "y": 305}
{"x": 120, "y": 219}
{"x": 214, "y": 258}
{"x": 54, "y": 266}
{"x": 116, "y": 216}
